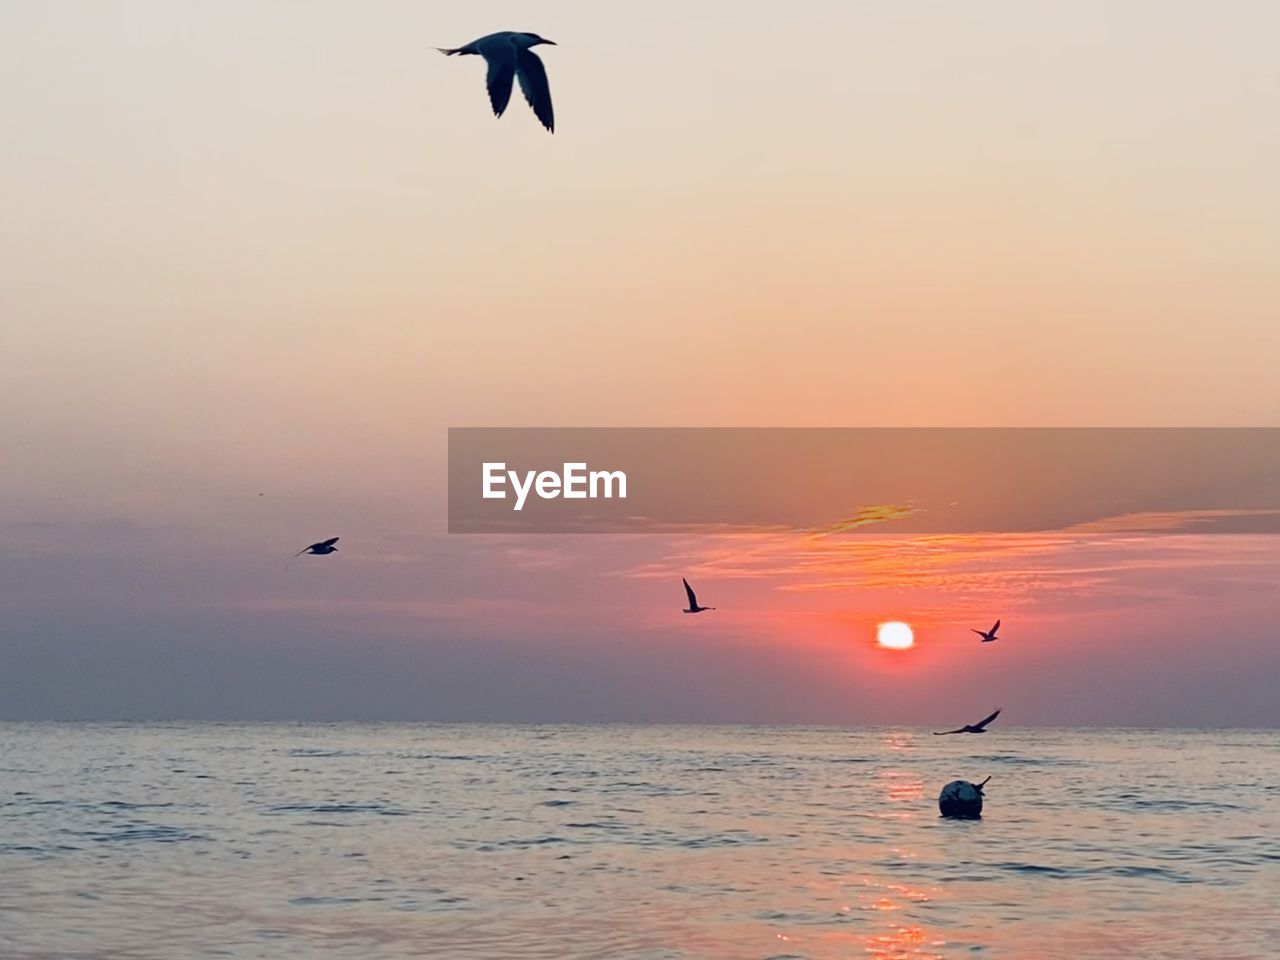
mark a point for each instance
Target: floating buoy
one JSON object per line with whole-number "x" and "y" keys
{"x": 962, "y": 800}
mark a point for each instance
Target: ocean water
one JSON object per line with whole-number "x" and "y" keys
{"x": 367, "y": 841}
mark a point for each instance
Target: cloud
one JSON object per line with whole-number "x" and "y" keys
{"x": 876, "y": 513}
{"x": 1181, "y": 521}
{"x": 952, "y": 574}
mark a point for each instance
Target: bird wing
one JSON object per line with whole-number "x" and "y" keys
{"x": 502, "y": 72}
{"x": 330, "y": 542}
{"x": 995, "y": 628}
{"x": 983, "y": 723}
{"x": 533, "y": 84}
{"x": 693, "y": 600}
{"x": 978, "y": 632}
{"x": 943, "y": 733}
{"x": 303, "y": 550}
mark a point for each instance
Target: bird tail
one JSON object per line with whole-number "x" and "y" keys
{"x": 451, "y": 51}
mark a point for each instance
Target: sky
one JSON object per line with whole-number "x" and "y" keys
{"x": 261, "y": 256}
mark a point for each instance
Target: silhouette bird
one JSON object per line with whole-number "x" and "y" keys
{"x": 990, "y": 634}
{"x": 510, "y": 59}
{"x": 323, "y": 548}
{"x": 693, "y": 600}
{"x": 979, "y": 727}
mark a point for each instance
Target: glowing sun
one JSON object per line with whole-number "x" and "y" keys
{"x": 895, "y": 635}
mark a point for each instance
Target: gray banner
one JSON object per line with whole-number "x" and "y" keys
{"x": 885, "y": 482}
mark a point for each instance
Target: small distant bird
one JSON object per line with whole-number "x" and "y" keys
{"x": 510, "y": 59}
{"x": 979, "y": 727}
{"x": 323, "y": 548}
{"x": 990, "y": 634}
{"x": 693, "y": 600}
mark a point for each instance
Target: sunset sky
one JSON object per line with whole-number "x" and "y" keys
{"x": 259, "y": 257}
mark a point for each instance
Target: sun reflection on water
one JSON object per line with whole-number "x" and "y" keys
{"x": 900, "y": 943}
{"x": 886, "y": 904}
{"x": 902, "y": 787}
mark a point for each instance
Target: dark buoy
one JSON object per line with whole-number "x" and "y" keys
{"x": 962, "y": 800}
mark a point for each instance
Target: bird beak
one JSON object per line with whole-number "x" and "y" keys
{"x": 552, "y": 42}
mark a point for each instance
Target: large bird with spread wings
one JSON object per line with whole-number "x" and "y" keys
{"x": 321, "y": 549}
{"x": 510, "y": 59}
{"x": 979, "y": 727}
{"x": 989, "y": 635}
{"x": 693, "y": 599}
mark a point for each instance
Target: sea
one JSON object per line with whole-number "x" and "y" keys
{"x": 168, "y": 841}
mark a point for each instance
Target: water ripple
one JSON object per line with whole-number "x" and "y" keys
{"x": 338, "y": 841}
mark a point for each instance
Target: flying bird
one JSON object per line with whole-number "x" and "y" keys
{"x": 510, "y": 59}
{"x": 693, "y": 600}
{"x": 990, "y": 634}
{"x": 323, "y": 548}
{"x": 979, "y": 727}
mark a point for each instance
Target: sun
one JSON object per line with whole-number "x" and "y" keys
{"x": 895, "y": 635}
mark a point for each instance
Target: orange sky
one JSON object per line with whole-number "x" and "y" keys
{"x": 280, "y": 249}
